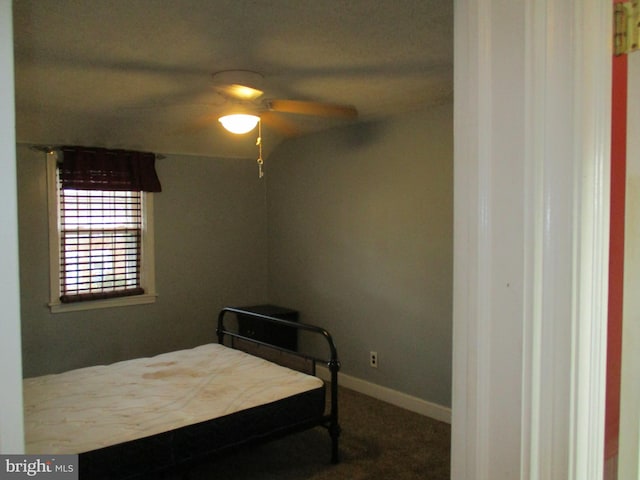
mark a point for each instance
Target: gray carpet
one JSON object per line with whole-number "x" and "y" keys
{"x": 378, "y": 441}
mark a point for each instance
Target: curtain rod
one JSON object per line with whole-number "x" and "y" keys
{"x": 51, "y": 148}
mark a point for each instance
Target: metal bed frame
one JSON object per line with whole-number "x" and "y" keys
{"x": 291, "y": 359}
{"x": 176, "y": 450}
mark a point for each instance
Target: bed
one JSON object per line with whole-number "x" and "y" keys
{"x": 144, "y": 417}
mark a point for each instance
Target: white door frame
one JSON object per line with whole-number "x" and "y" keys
{"x": 531, "y": 205}
{"x": 629, "y": 447}
{"x": 11, "y": 428}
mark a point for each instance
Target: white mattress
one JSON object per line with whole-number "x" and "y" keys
{"x": 95, "y": 407}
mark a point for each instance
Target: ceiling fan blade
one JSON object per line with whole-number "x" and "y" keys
{"x": 312, "y": 108}
{"x": 279, "y": 123}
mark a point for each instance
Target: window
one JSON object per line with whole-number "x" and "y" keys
{"x": 101, "y": 243}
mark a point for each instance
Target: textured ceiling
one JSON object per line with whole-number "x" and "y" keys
{"x": 138, "y": 73}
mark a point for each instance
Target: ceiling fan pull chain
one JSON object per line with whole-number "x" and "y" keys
{"x": 259, "y": 144}
{"x": 260, "y": 172}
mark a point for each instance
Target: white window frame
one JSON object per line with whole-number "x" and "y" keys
{"x": 147, "y": 265}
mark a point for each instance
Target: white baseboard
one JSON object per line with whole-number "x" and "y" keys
{"x": 399, "y": 399}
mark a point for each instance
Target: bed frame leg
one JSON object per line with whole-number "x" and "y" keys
{"x": 334, "y": 432}
{"x": 334, "y": 425}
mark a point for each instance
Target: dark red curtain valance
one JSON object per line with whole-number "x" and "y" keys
{"x": 86, "y": 168}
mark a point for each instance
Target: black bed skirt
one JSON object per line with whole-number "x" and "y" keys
{"x": 149, "y": 457}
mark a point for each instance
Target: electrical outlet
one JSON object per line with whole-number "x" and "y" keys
{"x": 373, "y": 359}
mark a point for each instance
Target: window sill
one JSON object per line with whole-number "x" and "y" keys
{"x": 58, "y": 307}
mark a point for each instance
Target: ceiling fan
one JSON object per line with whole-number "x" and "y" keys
{"x": 246, "y": 108}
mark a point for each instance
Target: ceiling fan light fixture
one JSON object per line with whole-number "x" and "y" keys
{"x": 239, "y": 122}
{"x": 243, "y": 92}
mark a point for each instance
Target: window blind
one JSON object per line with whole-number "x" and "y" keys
{"x": 100, "y": 244}
{"x": 90, "y": 168}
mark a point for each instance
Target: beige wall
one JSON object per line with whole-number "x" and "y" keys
{"x": 207, "y": 220}
{"x": 360, "y": 241}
